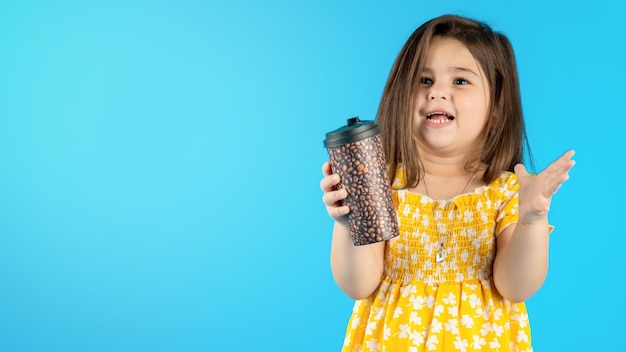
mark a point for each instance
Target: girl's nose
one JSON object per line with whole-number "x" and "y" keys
{"x": 437, "y": 92}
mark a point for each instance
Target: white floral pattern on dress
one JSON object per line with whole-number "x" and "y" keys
{"x": 422, "y": 305}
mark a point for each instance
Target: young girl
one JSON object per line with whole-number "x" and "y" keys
{"x": 473, "y": 243}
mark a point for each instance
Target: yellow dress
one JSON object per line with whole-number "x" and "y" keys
{"x": 423, "y": 304}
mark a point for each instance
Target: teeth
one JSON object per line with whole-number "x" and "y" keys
{"x": 429, "y": 117}
{"x": 439, "y": 121}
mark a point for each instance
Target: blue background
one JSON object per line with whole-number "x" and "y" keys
{"x": 160, "y": 165}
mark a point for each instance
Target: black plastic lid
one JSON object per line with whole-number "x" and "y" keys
{"x": 354, "y": 131}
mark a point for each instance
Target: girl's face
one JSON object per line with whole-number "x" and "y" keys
{"x": 452, "y": 100}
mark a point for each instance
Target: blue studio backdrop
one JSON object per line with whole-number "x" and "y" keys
{"x": 160, "y": 165}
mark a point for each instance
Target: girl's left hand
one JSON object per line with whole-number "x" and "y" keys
{"x": 535, "y": 192}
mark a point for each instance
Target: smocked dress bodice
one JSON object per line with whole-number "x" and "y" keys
{"x": 437, "y": 291}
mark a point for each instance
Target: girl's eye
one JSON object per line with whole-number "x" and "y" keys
{"x": 461, "y": 81}
{"x": 426, "y": 80}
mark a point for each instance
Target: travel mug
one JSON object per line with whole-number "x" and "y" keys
{"x": 356, "y": 154}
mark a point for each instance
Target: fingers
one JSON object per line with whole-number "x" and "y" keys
{"x": 560, "y": 167}
{"x": 333, "y": 196}
{"x": 334, "y": 206}
{"x": 330, "y": 182}
{"x": 327, "y": 169}
{"x": 569, "y": 154}
{"x": 564, "y": 163}
{"x": 557, "y": 173}
{"x": 520, "y": 171}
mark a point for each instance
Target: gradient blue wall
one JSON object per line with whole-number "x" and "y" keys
{"x": 160, "y": 165}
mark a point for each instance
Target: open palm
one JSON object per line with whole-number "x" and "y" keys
{"x": 535, "y": 192}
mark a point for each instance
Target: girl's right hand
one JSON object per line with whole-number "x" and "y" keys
{"x": 333, "y": 196}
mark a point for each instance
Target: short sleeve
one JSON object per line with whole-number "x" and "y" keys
{"x": 399, "y": 181}
{"x": 508, "y": 203}
{"x": 397, "y": 184}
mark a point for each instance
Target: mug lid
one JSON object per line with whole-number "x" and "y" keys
{"x": 354, "y": 130}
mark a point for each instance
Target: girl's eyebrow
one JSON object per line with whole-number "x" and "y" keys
{"x": 455, "y": 70}
{"x": 464, "y": 70}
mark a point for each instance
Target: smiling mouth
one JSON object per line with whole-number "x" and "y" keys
{"x": 439, "y": 117}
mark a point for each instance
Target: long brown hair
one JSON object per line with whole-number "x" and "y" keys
{"x": 503, "y": 139}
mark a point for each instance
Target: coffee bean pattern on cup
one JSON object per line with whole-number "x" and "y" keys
{"x": 363, "y": 171}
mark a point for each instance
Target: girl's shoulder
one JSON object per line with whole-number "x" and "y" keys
{"x": 503, "y": 189}
{"x": 399, "y": 181}
{"x": 506, "y": 181}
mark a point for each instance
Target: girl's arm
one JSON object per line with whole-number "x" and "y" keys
{"x": 521, "y": 262}
{"x": 357, "y": 269}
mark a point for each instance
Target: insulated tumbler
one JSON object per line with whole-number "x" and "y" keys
{"x": 356, "y": 154}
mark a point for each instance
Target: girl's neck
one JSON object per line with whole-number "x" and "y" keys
{"x": 452, "y": 166}
{"x": 446, "y": 178}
